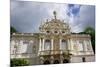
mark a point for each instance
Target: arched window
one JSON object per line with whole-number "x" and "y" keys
{"x": 47, "y": 44}
{"x": 64, "y": 45}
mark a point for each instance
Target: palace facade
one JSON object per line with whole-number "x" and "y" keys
{"x": 54, "y": 44}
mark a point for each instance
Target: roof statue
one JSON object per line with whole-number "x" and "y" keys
{"x": 54, "y": 12}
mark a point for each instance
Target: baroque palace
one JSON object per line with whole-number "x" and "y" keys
{"x": 54, "y": 44}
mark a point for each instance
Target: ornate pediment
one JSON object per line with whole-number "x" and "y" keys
{"x": 55, "y": 25}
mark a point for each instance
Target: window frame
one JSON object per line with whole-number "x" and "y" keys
{"x": 47, "y": 44}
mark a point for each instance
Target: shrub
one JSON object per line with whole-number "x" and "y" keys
{"x": 18, "y": 62}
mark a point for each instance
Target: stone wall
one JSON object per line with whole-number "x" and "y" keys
{"x": 78, "y": 59}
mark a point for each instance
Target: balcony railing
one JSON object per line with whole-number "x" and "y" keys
{"x": 52, "y": 52}
{"x": 66, "y": 52}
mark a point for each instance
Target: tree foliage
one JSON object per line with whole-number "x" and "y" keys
{"x": 13, "y": 30}
{"x": 18, "y": 62}
{"x": 91, "y": 32}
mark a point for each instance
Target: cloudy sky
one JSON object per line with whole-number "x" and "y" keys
{"x": 26, "y": 16}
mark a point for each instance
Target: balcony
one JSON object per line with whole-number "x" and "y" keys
{"x": 53, "y": 52}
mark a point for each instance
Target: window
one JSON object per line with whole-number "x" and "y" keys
{"x": 63, "y": 31}
{"x": 64, "y": 45}
{"x": 47, "y": 44}
{"x": 24, "y": 47}
{"x": 56, "y": 32}
{"x": 15, "y": 49}
{"x": 48, "y": 31}
{"x": 25, "y": 43}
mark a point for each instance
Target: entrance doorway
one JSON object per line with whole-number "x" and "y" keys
{"x": 46, "y": 62}
{"x": 56, "y": 62}
{"x": 65, "y": 61}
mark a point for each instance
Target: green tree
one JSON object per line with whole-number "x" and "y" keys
{"x": 91, "y": 32}
{"x": 12, "y": 30}
{"x": 18, "y": 62}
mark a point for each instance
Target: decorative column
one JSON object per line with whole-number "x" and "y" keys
{"x": 40, "y": 45}
{"x": 85, "y": 46}
{"x": 16, "y": 48}
{"x": 60, "y": 43}
{"x": 61, "y": 59}
{"x": 71, "y": 44}
{"x": 43, "y": 41}
{"x": 21, "y": 43}
{"x": 90, "y": 45}
{"x": 68, "y": 44}
{"x": 91, "y": 49}
{"x": 51, "y": 44}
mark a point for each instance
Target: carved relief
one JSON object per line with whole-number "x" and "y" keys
{"x": 75, "y": 45}
{"x": 88, "y": 45}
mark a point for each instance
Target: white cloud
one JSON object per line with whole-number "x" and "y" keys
{"x": 86, "y": 18}
{"x": 27, "y": 16}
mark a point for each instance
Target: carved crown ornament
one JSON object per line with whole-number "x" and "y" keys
{"x": 55, "y": 26}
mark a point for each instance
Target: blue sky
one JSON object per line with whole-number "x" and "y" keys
{"x": 26, "y": 16}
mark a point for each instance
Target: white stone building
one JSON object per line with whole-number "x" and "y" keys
{"x": 52, "y": 45}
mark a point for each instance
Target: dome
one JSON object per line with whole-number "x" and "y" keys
{"x": 55, "y": 25}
